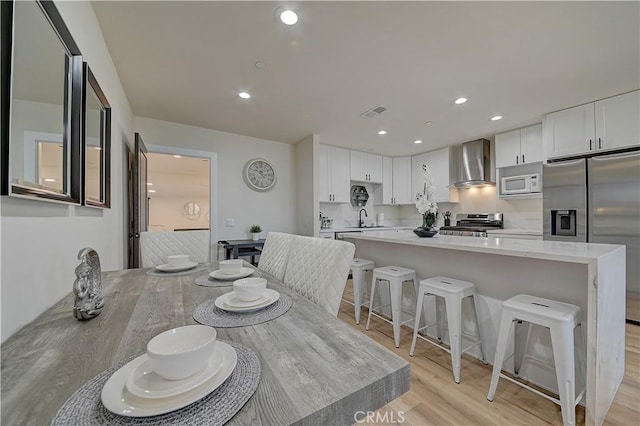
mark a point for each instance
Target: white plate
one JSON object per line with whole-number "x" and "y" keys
{"x": 176, "y": 268}
{"x": 144, "y": 383}
{"x": 245, "y": 272}
{"x": 117, "y": 399}
{"x": 233, "y": 301}
{"x": 271, "y": 295}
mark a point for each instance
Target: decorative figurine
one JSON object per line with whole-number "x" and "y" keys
{"x": 88, "y": 286}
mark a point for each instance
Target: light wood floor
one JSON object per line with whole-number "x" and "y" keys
{"x": 435, "y": 399}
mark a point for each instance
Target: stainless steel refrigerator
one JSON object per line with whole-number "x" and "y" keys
{"x": 596, "y": 199}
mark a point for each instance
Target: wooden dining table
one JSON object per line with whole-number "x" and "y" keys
{"x": 315, "y": 368}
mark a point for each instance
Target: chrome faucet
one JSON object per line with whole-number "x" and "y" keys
{"x": 360, "y": 221}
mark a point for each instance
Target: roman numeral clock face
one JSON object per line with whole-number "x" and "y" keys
{"x": 259, "y": 175}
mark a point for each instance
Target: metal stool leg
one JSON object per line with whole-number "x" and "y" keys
{"x": 395, "y": 290}
{"x": 416, "y": 324}
{"x": 373, "y": 290}
{"x": 357, "y": 281}
{"x": 501, "y": 348}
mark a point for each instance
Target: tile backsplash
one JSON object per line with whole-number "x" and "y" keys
{"x": 518, "y": 214}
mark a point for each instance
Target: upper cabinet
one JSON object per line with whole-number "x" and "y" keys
{"x": 366, "y": 167}
{"x": 443, "y": 170}
{"x": 334, "y": 174}
{"x": 607, "y": 124}
{"x": 521, "y": 146}
{"x": 618, "y": 121}
{"x": 402, "y": 180}
{"x": 396, "y": 181}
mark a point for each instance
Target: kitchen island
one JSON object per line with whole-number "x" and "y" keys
{"x": 591, "y": 276}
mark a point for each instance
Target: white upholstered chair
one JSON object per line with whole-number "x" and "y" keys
{"x": 156, "y": 246}
{"x": 318, "y": 268}
{"x": 275, "y": 254}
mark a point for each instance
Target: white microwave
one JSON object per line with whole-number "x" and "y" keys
{"x": 524, "y": 184}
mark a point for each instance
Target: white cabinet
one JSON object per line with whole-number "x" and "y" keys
{"x": 387, "y": 180}
{"x": 606, "y": 124}
{"x": 521, "y": 146}
{"x": 396, "y": 181}
{"x": 334, "y": 174}
{"x": 618, "y": 121}
{"x": 366, "y": 167}
{"x": 443, "y": 170}
{"x": 402, "y": 180}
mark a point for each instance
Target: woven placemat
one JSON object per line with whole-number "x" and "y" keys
{"x": 85, "y": 408}
{"x": 201, "y": 267}
{"x": 207, "y": 281}
{"x": 209, "y": 314}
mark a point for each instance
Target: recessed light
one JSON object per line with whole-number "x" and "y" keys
{"x": 151, "y": 190}
{"x": 496, "y": 118}
{"x": 260, "y": 65}
{"x": 428, "y": 123}
{"x": 149, "y": 184}
{"x": 244, "y": 95}
{"x": 49, "y": 180}
{"x": 177, "y": 156}
{"x": 417, "y": 141}
{"x": 288, "y": 17}
{"x": 460, "y": 101}
{"x": 382, "y": 132}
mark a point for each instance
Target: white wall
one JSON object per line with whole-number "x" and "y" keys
{"x": 274, "y": 210}
{"x": 167, "y": 213}
{"x": 40, "y": 241}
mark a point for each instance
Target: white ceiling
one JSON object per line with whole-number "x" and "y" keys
{"x": 186, "y": 61}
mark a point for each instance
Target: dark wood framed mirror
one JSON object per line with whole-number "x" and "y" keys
{"x": 42, "y": 81}
{"x": 96, "y": 153}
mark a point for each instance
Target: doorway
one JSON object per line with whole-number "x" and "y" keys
{"x": 178, "y": 190}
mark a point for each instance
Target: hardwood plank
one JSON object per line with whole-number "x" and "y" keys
{"x": 435, "y": 399}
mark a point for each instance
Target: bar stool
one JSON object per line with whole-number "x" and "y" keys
{"x": 359, "y": 268}
{"x": 396, "y": 276}
{"x": 561, "y": 319}
{"x": 453, "y": 292}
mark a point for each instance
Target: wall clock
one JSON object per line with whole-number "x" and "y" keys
{"x": 259, "y": 175}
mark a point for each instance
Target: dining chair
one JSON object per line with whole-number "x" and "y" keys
{"x": 318, "y": 268}
{"x": 156, "y": 246}
{"x": 275, "y": 254}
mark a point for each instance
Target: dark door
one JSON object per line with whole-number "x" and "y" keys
{"x": 139, "y": 203}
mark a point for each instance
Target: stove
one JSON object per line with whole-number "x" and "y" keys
{"x": 474, "y": 224}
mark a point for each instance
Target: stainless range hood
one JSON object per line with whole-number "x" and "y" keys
{"x": 474, "y": 164}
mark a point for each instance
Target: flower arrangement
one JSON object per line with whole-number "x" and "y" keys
{"x": 424, "y": 202}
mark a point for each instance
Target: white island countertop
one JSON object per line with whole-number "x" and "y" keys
{"x": 591, "y": 276}
{"x": 537, "y": 249}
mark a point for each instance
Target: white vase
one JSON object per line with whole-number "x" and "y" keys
{"x": 255, "y": 236}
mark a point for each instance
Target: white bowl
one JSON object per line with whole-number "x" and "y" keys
{"x": 249, "y": 289}
{"x": 177, "y": 259}
{"x": 181, "y": 352}
{"x": 231, "y": 266}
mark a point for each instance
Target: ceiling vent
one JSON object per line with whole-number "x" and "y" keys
{"x": 374, "y": 112}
